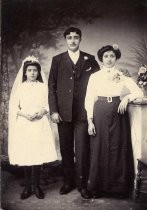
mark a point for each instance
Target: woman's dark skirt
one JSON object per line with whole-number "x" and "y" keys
{"x": 112, "y": 167}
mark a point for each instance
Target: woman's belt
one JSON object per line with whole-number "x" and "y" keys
{"x": 109, "y": 99}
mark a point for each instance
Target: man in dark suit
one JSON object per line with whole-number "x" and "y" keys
{"x": 69, "y": 75}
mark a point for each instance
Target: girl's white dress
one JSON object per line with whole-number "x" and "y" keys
{"x": 31, "y": 142}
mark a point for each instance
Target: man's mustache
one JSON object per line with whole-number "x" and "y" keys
{"x": 73, "y": 44}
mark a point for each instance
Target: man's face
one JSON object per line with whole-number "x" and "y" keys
{"x": 73, "y": 41}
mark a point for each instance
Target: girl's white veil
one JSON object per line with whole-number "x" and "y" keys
{"x": 13, "y": 101}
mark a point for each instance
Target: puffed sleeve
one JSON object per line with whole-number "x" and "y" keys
{"x": 90, "y": 97}
{"x": 135, "y": 91}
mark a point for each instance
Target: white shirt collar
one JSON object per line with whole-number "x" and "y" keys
{"x": 74, "y": 55}
{"x": 77, "y": 53}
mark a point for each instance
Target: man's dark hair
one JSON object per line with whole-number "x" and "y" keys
{"x": 72, "y": 29}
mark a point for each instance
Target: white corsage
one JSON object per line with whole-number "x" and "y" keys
{"x": 117, "y": 77}
{"x": 86, "y": 58}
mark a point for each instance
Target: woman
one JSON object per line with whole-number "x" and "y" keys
{"x": 111, "y": 169}
{"x": 30, "y": 137}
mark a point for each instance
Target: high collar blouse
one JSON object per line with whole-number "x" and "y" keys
{"x": 109, "y": 82}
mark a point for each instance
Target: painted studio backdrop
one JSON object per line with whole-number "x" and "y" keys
{"x": 35, "y": 27}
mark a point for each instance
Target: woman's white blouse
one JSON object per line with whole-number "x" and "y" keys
{"x": 104, "y": 83}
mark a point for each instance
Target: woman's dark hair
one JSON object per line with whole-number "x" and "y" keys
{"x": 30, "y": 63}
{"x": 72, "y": 29}
{"x": 108, "y": 48}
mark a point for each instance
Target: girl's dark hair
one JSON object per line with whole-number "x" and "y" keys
{"x": 30, "y": 63}
{"x": 108, "y": 48}
{"x": 72, "y": 29}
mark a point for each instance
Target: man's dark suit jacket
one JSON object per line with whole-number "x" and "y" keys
{"x": 61, "y": 84}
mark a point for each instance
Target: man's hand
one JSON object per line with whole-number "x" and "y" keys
{"x": 55, "y": 117}
{"x": 91, "y": 129}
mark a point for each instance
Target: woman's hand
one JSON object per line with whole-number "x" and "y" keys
{"x": 123, "y": 105}
{"x": 55, "y": 117}
{"x": 91, "y": 128}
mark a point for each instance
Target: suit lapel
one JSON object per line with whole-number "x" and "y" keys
{"x": 67, "y": 61}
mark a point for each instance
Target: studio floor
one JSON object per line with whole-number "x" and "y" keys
{"x": 12, "y": 187}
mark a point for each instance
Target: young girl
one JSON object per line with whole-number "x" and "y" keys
{"x": 30, "y": 137}
{"x": 111, "y": 167}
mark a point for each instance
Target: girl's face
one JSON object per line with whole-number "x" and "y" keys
{"x": 31, "y": 73}
{"x": 109, "y": 59}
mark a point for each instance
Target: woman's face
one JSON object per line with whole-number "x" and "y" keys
{"x": 109, "y": 59}
{"x": 31, "y": 73}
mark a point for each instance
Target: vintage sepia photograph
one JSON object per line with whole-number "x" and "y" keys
{"x": 73, "y": 109}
